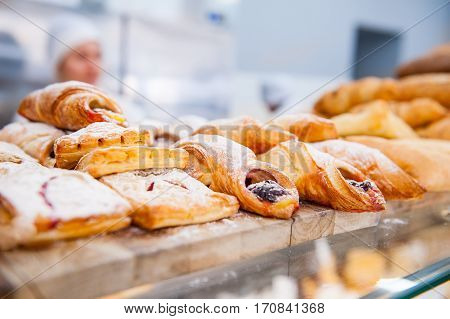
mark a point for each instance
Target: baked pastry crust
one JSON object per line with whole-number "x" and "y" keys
{"x": 375, "y": 119}
{"x": 437, "y": 60}
{"x": 36, "y": 139}
{"x": 307, "y": 127}
{"x": 393, "y": 182}
{"x": 48, "y": 213}
{"x": 439, "y": 129}
{"x": 70, "y": 148}
{"x": 427, "y": 160}
{"x": 70, "y": 105}
{"x": 321, "y": 178}
{"x": 170, "y": 197}
{"x": 231, "y": 168}
{"x": 117, "y": 159}
{"x": 12, "y": 153}
{"x": 248, "y": 132}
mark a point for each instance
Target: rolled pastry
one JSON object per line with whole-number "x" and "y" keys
{"x": 70, "y": 148}
{"x": 36, "y": 139}
{"x": 307, "y": 127}
{"x": 427, "y": 160}
{"x": 375, "y": 119}
{"x": 393, "y": 182}
{"x": 170, "y": 197}
{"x": 248, "y": 132}
{"x": 70, "y": 105}
{"x": 117, "y": 159}
{"x": 12, "y": 153}
{"x": 231, "y": 168}
{"x": 439, "y": 129}
{"x": 323, "y": 179}
{"x": 40, "y": 205}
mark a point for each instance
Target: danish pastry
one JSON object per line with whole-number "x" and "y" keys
{"x": 117, "y": 159}
{"x": 231, "y": 168}
{"x": 70, "y": 148}
{"x": 323, "y": 179}
{"x": 39, "y": 205}
{"x": 427, "y": 160}
{"x": 70, "y": 105}
{"x": 439, "y": 129}
{"x": 248, "y": 132}
{"x": 307, "y": 127}
{"x": 170, "y": 197}
{"x": 36, "y": 139}
{"x": 393, "y": 182}
{"x": 12, "y": 153}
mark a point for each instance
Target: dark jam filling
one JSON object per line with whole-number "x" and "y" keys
{"x": 267, "y": 190}
{"x": 365, "y": 185}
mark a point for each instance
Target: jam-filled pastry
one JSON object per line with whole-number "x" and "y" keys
{"x": 427, "y": 160}
{"x": 12, "y": 153}
{"x": 307, "y": 127}
{"x": 393, "y": 182}
{"x": 439, "y": 129}
{"x": 375, "y": 119}
{"x": 117, "y": 159}
{"x": 39, "y": 205}
{"x": 323, "y": 179}
{"x": 70, "y": 148}
{"x": 248, "y": 132}
{"x": 36, "y": 139}
{"x": 71, "y": 105}
{"x": 231, "y": 168}
{"x": 170, "y": 197}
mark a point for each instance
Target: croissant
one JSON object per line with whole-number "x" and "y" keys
{"x": 117, "y": 159}
{"x": 323, "y": 179}
{"x": 248, "y": 132}
{"x": 428, "y": 161}
{"x": 12, "y": 153}
{"x": 438, "y": 60}
{"x": 39, "y": 205}
{"x": 393, "y": 182}
{"x": 36, "y": 139}
{"x": 307, "y": 127}
{"x": 170, "y": 197}
{"x": 374, "y": 119}
{"x": 231, "y": 168}
{"x": 70, "y": 105}
{"x": 439, "y": 129}
{"x": 70, "y": 148}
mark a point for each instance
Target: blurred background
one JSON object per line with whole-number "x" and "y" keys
{"x": 211, "y": 58}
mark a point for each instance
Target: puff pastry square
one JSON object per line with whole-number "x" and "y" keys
{"x": 39, "y": 205}
{"x": 117, "y": 159}
{"x": 70, "y": 148}
{"x": 70, "y": 105}
{"x": 36, "y": 139}
{"x": 170, "y": 197}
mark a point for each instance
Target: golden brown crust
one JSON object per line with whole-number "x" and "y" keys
{"x": 70, "y": 105}
{"x": 439, "y": 129}
{"x": 374, "y": 118}
{"x": 307, "y": 127}
{"x": 428, "y": 161}
{"x": 248, "y": 132}
{"x": 36, "y": 139}
{"x": 322, "y": 178}
{"x": 12, "y": 153}
{"x": 231, "y": 168}
{"x": 59, "y": 204}
{"x": 436, "y": 61}
{"x": 70, "y": 148}
{"x": 117, "y": 159}
{"x": 393, "y": 182}
{"x": 170, "y": 197}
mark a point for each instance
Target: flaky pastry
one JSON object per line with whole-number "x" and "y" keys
{"x": 439, "y": 129}
{"x": 12, "y": 153}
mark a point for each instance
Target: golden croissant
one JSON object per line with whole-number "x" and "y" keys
{"x": 231, "y": 168}
{"x": 393, "y": 182}
{"x": 70, "y": 105}
{"x": 323, "y": 179}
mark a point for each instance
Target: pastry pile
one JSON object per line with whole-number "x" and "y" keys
{"x": 84, "y": 171}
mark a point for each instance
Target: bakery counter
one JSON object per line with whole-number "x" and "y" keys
{"x": 239, "y": 256}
